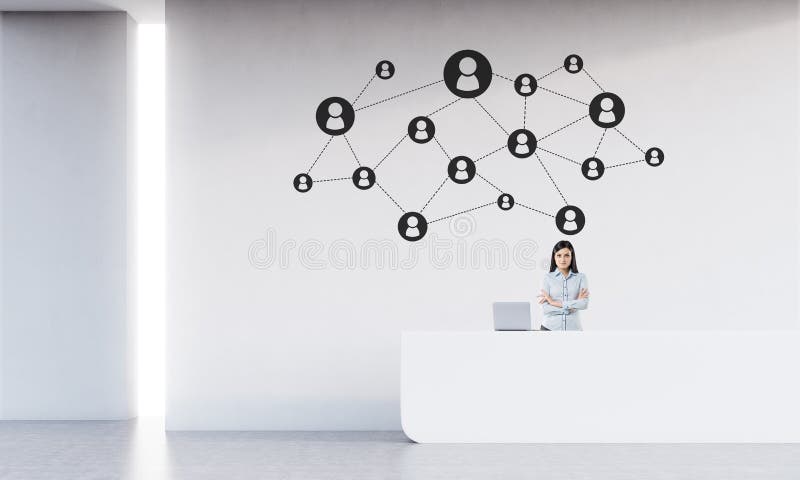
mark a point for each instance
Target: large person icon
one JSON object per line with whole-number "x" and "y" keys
{"x": 570, "y": 220}
{"x": 335, "y": 116}
{"x": 467, "y": 73}
{"x": 606, "y": 110}
{"x": 412, "y": 226}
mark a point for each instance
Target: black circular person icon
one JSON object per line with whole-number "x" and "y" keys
{"x": 335, "y": 116}
{"x": 592, "y": 168}
{"x": 467, "y": 73}
{"x": 522, "y": 143}
{"x": 384, "y": 69}
{"x": 606, "y": 110}
{"x": 412, "y": 226}
{"x": 525, "y": 84}
{"x": 302, "y": 182}
{"x": 570, "y": 220}
{"x": 505, "y": 201}
{"x": 461, "y": 169}
{"x": 421, "y": 129}
{"x": 573, "y": 63}
{"x": 363, "y": 178}
{"x": 654, "y": 156}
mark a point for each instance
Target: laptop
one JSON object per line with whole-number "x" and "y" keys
{"x": 512, "y": 316}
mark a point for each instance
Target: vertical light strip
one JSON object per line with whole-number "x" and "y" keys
{"x": 150, "y": 221}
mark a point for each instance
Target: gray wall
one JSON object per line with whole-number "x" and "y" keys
{"x": 67, "y": 164}
{"x": 706, "y": 241}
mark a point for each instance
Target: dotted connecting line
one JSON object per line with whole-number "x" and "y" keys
{"x": 390, "y": 151}
{"x": 562, "y": 95}
{"x": 442, "y": 108}
{"x": 390, "y": 197}
{"x": 351, "y": 150}
{"x": 319, "y": 155}
{"x": 490, "y": 183}
{"x": 554, "y": 71}
{"x": 434, "y": 194}
{"x": 598, "y": 143}
{"x": 443, "y": 150}
{"x": 631, "y": 141}
{"x": 459, "y": 213}
{"x": 363, "y": 89}
{"x": 490, "y": 115}
{"x": 399, "y": 95}
{"x": 558, "y": 155}
{"x": 490, "y": 153}
{"x": 535, "y": 210}
{"x": 626, "y": 163}
{"x": 332, "y": 179}
{"x": 502, "y": 76}
{"x": 595, "y": 81}
{"x": 565, "y": 126}
{"x": 551, "y": 178}
{"x": 524, "y": 111}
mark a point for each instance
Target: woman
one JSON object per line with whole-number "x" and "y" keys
{"x": 564, "y": 291}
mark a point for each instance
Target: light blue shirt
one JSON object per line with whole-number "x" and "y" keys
{"x": 565, "y": 290}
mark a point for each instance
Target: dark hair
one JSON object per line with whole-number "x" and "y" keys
{"x": 558, "y": 246}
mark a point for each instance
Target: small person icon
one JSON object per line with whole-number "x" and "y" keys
{"x": 607, "y": 111}
{"x": 505, "y": 201}
{"x": 412, "y": 226}
{"x": 363, "y": 178}
{"x": 467, "y": 81}
{"x": 421, "y": 129}
{"x": 335, "y": 116}
{"x": 335, "y": 121}
{"x": 302, "y": 182}
{"x": 384, "y": 69}
{"x": 573, "y": 63}
{"x": 461, "y": 173}
{"x": 592, "y": 168}
{"x": 570, "y": 224}
{"x": 654, "y": 157}
{"x": 461, "y": 169}
{"x": 526, "y": 85}
{"x": 570, "y": 220}
{"x": 522, "y": 145}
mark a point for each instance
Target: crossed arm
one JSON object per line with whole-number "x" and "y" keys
{"x": 566, "y": 306}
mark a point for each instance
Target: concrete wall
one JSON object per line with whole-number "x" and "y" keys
{"x": 268, "y": 327}
{"x": 67, "y": 159}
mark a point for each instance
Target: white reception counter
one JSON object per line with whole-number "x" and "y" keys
{"x": 601, "y": 386}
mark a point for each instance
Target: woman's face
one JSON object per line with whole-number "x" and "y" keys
{"x": 563, "y": 258}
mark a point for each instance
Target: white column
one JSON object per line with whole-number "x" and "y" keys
{"x": 67, "y": 221}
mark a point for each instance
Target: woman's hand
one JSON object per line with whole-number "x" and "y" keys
{"x": 544, "y": 297}
{"x": 584, "y": 293}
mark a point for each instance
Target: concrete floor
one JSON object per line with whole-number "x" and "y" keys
{"x": 141, "y": 450}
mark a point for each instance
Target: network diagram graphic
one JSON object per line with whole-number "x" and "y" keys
{"x": 468, "y": 74}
